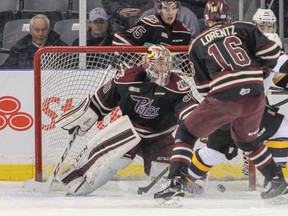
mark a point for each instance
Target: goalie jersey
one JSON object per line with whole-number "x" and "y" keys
{"x": 153, "y": 110}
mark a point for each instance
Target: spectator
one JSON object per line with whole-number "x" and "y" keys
{"x": 197, "y": 7}
{"x": 184, "y": 15}
{"x": 126, "y": 13}
{"x": 98, "y": 31}
{"x": 22, "y": 53}
{"x": 275, "y": 9}
{"x": 161, "y": 28}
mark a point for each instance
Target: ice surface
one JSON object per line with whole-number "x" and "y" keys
{"x": 121, "y": 199}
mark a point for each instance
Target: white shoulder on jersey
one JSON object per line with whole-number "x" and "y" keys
{"x": 274, "y": 37}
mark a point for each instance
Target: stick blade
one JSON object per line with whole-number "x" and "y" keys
{"x": 34, "y": 186}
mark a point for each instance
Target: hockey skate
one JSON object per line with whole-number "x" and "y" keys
{"x": 276, "y": 191}
{"x": 172, "y": 196}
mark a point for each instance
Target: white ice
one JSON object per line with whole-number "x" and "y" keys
{"x": 121, "y": 199}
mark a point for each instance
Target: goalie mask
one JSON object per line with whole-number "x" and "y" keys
{"x": 265, "y": 20}
{"x": 217, "y": 11}
{"x": 157, "y": 63}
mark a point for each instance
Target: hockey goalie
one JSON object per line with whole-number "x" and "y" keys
{"x": 152, "y": 100}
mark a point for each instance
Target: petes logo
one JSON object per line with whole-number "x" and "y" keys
{"x": 144, "y": 107}
{"x": 245, "y": 91}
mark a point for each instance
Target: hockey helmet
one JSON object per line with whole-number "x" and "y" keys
{"x": 218, "y": 11}
{"x": 265, "y": 20}
{"x": 157, "y": 63}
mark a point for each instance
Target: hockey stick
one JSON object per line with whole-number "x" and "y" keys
{"x": 280, "y": 103}
{"x": 44, "y": 187}
{"x": 270, "y": 5}
{"x": 144, "y": 190}
{"x": 109, "y": 67}
{"x": 277, "y": 90}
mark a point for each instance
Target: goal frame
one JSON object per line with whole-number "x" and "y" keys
{"x": 37, "y": 84}
{"x": 86, "y": 49}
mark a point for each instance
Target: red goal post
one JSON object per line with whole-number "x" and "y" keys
{"x": 65, "y": 75}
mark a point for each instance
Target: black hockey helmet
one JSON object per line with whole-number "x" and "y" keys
{"x": 158, "y": 4}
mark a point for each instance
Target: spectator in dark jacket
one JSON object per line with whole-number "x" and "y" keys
{"x": 98, "y": 33}
{"x": 126, "y": 13}
{"x": 22, "y": 53}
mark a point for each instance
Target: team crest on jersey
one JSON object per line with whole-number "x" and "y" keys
{"x": 182, "y": 85}
{"x": 192, "y": 68}
{"x": 144, "y": 107}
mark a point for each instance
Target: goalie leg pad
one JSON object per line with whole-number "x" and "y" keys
{"x": 93, "y": 179}
{"x": 83, "y": 115}
{"x": 74, "y": 182}
{"x": 104, "y": 152}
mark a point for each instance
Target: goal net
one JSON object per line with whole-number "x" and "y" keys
{"x": 65, "y": 75}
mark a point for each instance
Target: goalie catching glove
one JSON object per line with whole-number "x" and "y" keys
{"x": 83, "y": 115}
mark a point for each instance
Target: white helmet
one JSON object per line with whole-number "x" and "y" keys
{"x": 265, "y": 16}
{"x": 158, "y": 62}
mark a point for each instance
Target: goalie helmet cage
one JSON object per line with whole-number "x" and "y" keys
{"x": 63, "y": 76}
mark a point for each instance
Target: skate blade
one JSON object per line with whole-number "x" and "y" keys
{"x": 173, "y": 202}
{"x": 279, "y": 200}
{"x": 194, "y": 191}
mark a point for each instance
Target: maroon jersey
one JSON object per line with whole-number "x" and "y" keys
{"x": 228, "y": 60}
{"x": 153, "y": 30}
{"x": 153, "y": 110}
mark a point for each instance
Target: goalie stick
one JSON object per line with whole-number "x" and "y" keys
{"x": 44, "y": 187}
{"x": 144, "y": 190}
{"x": 109, "y": 67}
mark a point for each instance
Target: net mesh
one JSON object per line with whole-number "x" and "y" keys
{"x": 67, "y": 75}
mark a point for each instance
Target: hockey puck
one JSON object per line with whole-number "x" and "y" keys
{"x": 221, "y": 188}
